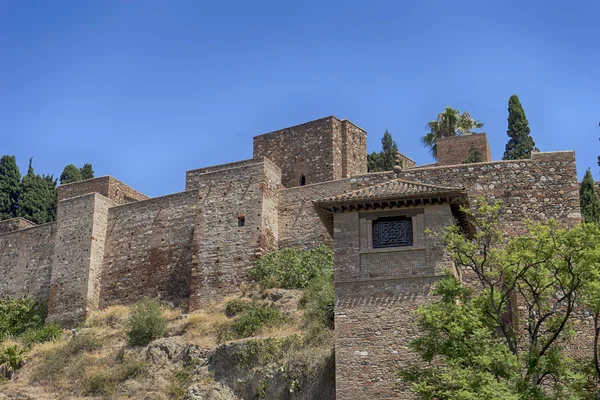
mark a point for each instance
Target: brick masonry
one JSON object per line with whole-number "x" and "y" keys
{"x": 114, "y": 245}
{"x": 455, "y": 150}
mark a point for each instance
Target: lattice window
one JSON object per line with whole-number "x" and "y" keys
{"x": 392, "y": 232}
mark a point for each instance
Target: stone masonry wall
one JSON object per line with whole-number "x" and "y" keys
{"x": 78, "y": 255}
{"x": 107, "y": 186}
{"x": 377, "y": 292}
{"x": 543, "y": 187}
{"x": 26, "y": 261}
{"x": 226, "y": 249}
{"x": 354, "y": 150}
{"x": 455, "y": 149}
{"x": 149, "y": 250}
{"x": 305, "y": 149}
{"x": 14, "y": 224}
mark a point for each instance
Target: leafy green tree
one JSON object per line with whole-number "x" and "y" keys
{"x": 589, "y": 200}
{"x": 70, "y": 174}
{"x": 450, "y": 122}
{"x": 86, "y": 171}
{"x": 385, "y": 160}
{"x": 10, "y": 179}
{"x": 521, "y": 144}
{"x": 482, "y": 348}
{"x": 33, "y": 197}
{"x": 474, "y": 156}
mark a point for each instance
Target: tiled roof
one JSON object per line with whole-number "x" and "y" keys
{"x": 396, "y": 188}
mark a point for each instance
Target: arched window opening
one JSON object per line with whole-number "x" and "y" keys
{"x": 302, "y": 180}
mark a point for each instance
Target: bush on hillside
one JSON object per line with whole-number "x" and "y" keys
{"x": 19, "y": 314}
{"x": 46, "y": 333}
{"x": 253, "y": 320}
{"x": 145, "y": 323}
{"x": 292, "y": 268}
{"x": 317, "y": 301}
{"x": 11, "y": 359}
{"x": 237, "y": 306}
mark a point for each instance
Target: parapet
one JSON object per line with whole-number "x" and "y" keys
{"x": 455, "y": 150}
{"x": 14, "y": 224}
{"x": 107, "y": 186}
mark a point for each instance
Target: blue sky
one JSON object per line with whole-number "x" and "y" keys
{"x": 145, "y": 90}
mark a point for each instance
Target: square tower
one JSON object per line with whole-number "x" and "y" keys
{"x": 318, "y": 151}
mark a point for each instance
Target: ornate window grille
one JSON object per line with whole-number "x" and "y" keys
{"x": 392, "y": 232}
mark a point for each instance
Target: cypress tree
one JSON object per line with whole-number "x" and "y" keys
{"x": 33, "y": 197}
{"x": 10, "y": 178}
{"x": 52, "y": 199}
{"x": 385, "y": 160}
{"x": 588, "y": 199}
{"x": 474, "y": 156}
{"x": 70, "y": 174}
{"x": 520, "y": 144}
{"x": 86, "y": 171}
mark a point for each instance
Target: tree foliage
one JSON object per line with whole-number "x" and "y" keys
{"x": 474, "y": 156}
{"x": 10, "y": 178}
{"x": 86, "y": 171}
{"x": 481, "y": 346}
{"x": 385, "y": 160}
{"x": 521, "y": 144}
{"x": 450, "y": 122}
{"x": 34, "y": 197}
{"x": 589, "y": 199}
{"x": 70, "y": 174}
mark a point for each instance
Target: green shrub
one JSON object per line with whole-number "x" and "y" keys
{"x": 102, "y": 379}
{"x": 317, "y": 301}
{"x": 182, "y": 379}
{"x": 292, "y": 268}
{"x": 252, "y": 321}
{"x": 48, "y": 332}
{"x": 145, "y": 323}
{"x": 11, "y": 359}
{"x": 237, "y": 306}
{"x": 19, "y": 314}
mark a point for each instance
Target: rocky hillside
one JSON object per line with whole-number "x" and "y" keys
{"x": 259, "y": 345}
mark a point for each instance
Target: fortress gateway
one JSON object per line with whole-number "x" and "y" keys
{"x": 305, "y": 185}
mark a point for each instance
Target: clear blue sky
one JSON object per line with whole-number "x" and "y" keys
{"x": 145, "y": 90}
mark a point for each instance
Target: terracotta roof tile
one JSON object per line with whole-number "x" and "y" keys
{"x": 388, "y": 190}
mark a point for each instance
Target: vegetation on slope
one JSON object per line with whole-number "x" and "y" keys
{"x": 263, "y": 343}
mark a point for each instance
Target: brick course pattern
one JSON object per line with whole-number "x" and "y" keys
{"x": 107, "y": 186}
{"x": 455, "y": 150}
{"x": 321, "y": 151}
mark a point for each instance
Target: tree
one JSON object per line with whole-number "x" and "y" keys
{"x": 86, "y": 171}
{"x": 10, "y": 177}
{"x": 385, "y": 160}
{"x": 482, "y": 348}
{"x": 521, "y": 144}
{"x": 474, "y": 156}
{"x": 589, "y": 200}
{"x": 450, "y": 122}
{"x": 70, "y": 174}
{"x": 34, "y": 197}
{"x": 52, "y": 199}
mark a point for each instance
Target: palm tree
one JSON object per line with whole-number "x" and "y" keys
{"x": 449, "y": 122}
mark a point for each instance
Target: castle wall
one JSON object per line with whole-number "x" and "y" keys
{"x": 78, "y": 255}
{"x": 538, "y": 189}
{"x": 149, "y": 249}
{"x": 455, "y": 149}
{"x": 226, "y": 250}
{"x": 377, "y": 292}
{"x": 107, "y": 186}
{"x": 26, "y": 261}
{"x": 354, "y": 150}
{"x": 14, "y": 224}
{"x": 305, "y": 149}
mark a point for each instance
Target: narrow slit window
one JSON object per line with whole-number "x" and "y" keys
{"x": 392, "y": 232}
{"x": 241, "y": 221}
{"x": 302, "y": 180}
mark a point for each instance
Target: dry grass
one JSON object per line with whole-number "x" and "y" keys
{"x": 112, "y": 317}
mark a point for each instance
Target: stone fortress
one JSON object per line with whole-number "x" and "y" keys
{"x": 305, "y": 185}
